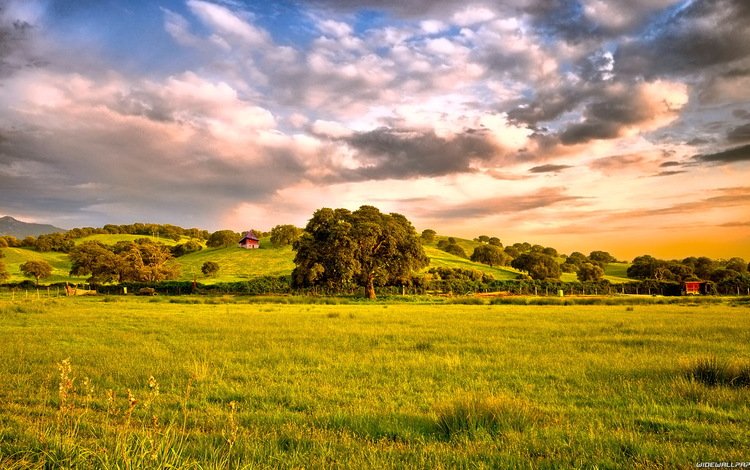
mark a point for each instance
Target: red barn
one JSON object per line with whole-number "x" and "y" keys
{"x": 692, "y": 287}
{"x": 249, "y": 241}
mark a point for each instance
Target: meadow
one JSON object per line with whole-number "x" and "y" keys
{"x": 237, "y": 264}
{"x": 202, "y": 382}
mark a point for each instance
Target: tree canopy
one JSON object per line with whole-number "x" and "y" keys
{"x": 140, "y": 260}
{"x": 210, "y": 268}
{"x": 223, "y": 239}
{"x": 38, "y": 269}
{"x": 285, "y": 234}
{"x": 428, "y": 235}
{"x": 364, "y": 247}
{"x": 4, "y": 274}
{"x": 490, "y": 254}
{"x": 590, "y": 272}
{"x": 538, "y": 265}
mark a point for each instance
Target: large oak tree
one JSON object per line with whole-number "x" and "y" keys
{"x": 364, "y": 247}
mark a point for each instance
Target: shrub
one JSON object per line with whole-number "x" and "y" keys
{"x": 713, "y": 372}
{"x": 492, "y": 415}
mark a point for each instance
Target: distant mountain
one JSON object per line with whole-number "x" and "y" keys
{"x": 18, "y": 229}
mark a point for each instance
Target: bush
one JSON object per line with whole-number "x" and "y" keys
{"x": 492, "y": 415}
{"x": 713, "y": 372}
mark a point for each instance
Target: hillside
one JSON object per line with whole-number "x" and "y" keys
{"x": 111, "y": 239}
{"x": 439, "y": 259}
{"x": 237, "y": 264}
{"x": 15, "y": 257}
{"x": 20, "y": 229}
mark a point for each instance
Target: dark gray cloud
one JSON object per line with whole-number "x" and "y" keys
{"x": 548, "y": 105}
{"x": 688, "y": 39}
{"x": 604, "y": 118}
{"x": 550, "y": 168}
{"x": 733, "y": 155}
{"x": 14, "y": 37}
{"x": 393, "y": 153}
{"x": 739, "y": 133}
{"x": 670, "y": 164}
{"x": 697, "y": 141}
{"x": 669, "y": 173}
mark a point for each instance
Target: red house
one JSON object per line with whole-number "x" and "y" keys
{"x": 692, "y": 287}
{"x": 249, "y": 241}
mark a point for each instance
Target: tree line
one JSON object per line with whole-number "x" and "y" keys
{"x": 341, "y": 249}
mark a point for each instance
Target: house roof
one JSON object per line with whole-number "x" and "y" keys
{"x": 249, "y": 236}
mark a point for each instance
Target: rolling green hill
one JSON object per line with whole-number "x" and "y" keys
{"x": 237, "y": 264}
{"x": 439, "y": 258}
{"x": 617, "y": 272}
{"x": 111, "y": 239}
{"x": 15, "y": 257}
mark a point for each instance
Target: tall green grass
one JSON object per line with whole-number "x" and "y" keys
{"x": 154, "y": 384}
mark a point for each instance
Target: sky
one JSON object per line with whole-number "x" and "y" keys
{"x": 578, "y": 124}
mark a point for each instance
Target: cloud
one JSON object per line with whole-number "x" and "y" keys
{"x": 541, "y": 198}
{"x": 701, "y": 38}
{"x": 721, "y": 198}
{"x": 399, "y": 153}
{"x": 227, "y": 22}
{"x": 739, "y": 133}
{"x": 16, "y": 40}
{"x": 192, "y": 143}
{"x": 549, "y": 168}
{"x": 618, "y": 163}
{"x": 642, "y": 107}
{"x": 732, "y": 155}
{"x": 670, "y": 173}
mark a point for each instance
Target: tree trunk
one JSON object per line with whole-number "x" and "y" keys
{"x": 370, "y": 288}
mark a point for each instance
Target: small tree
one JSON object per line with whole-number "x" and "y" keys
{"x": 285, "y": 234}
{"x": 590, "y": 272}
{"x": 602, "y": 257}
{"x": 38, "y": 269}
{"x": 223, "y": 239}
{"x": 455, "y": 249}
{"x": 4, "y": 274}
{"x": 428, "y": 235}
{"x": 494, "y": 241}
{"x": 489, "y": 254}
{"x": 210, "y": 268}
{"x": 537, "y": 265}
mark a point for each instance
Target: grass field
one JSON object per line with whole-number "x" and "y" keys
{"x": 111, "y": 239}
{"x": 439, "y": 258}
{"x": 617, "y": 272}
{"x": 238, "y": 263}
{"x": 15, "y": 257}
{"x": 167, "y": 383}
